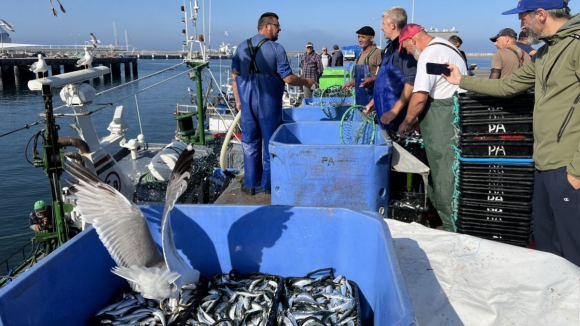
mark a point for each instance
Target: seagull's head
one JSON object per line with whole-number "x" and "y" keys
{"x": 39, "y": 56}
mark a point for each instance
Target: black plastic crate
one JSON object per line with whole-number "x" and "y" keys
{"x": 472, "y": 100}
{"x": 479, "y": 213}
{"x": 494, "y": 196}
{"x": 486, "y": 114}
{"x": 497, "y": 168}
{"x": 522, "y": 231}
{"x": 524, "y": 186}
{"x": 492, "y": 146}
{"x": 494, "y": 178}
{"x": 291, "y": 285}
{"x": 494, "y": 222}
{"x": 516, "y": 240}
{"x": 497, "y": 127}
{"x": 495, "y": 206}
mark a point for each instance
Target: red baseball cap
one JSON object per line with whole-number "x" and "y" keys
{"x": 407, "y": 32}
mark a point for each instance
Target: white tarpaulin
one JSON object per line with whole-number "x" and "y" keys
{"x": 456, "y": 279}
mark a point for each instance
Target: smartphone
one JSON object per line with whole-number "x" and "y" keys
{"x": 438, "y": 69}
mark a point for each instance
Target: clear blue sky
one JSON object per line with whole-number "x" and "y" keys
{"x": 156, "y": 25}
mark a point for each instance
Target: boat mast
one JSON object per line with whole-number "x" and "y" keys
{"x": 115, "y": 30}
{"x": 198, "y": 66}
{"x": 52, "y": 163}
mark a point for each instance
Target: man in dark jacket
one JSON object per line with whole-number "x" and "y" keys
{"x": 337, "y": 57}
{"x": 41, "y": 218}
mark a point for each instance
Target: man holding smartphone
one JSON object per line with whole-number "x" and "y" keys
{"x": 553, "y": 72}
{"x": 431, "y": 105}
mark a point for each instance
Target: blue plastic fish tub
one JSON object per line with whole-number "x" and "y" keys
{"x": 310, "y": 167}
{"x": 315, "y": 101}
{"x": 74, "y": 282}
{"x": 310, "y": 113}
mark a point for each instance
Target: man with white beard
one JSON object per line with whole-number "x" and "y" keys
{"x": 431, "y": 105}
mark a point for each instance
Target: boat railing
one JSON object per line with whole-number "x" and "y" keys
{"x": 18, "y": 261}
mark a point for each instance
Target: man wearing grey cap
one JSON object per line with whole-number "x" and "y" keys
{"x": 311, "y": 67}
{"x": 509, "y": 56}
{"x": 554, "y": 73}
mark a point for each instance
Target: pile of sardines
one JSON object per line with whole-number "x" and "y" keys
{"x": 326, "y": 300}
{"x": 133, "y": 309}
{"x": 239, "y": 300}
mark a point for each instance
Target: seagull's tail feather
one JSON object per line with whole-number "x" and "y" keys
{"x": 152, "y": 283}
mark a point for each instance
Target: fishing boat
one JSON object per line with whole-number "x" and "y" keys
{"x": 136, "y": 167}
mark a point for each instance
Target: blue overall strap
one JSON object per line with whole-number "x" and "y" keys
{"x": 253, "y": 51}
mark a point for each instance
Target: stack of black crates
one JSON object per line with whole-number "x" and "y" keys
{"x": 496, "y": 170}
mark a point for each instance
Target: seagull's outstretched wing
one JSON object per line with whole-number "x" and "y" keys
{"x": 5, "y": 23}
{"x": 120, "y": 224}
{"x": 94, "y": 40}
{"x": 177, "y": 184}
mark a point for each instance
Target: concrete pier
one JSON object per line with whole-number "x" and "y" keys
{"x": 16, "y": 69}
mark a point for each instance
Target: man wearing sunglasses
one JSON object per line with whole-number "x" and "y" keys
{"x": 260, "y": 70}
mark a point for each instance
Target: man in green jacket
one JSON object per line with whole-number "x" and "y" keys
{"x": 555, "y": 73}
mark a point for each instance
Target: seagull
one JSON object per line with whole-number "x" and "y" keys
{"x": 5, "y": 23}
{"x": 54, "y": 12}
{"x": 94, "y": 40}
{"x": 86, "y": 60}
{"x": 124, "y": 231}
{"x": 39, "y": 66}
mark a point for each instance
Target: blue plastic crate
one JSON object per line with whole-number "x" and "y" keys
{"x": 310, "y": 167}
{"x": 74, "y": 282}
{"x": 315, "y": 101}
{"x": 311, "y": 113}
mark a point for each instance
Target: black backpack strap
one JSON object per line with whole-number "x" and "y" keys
{"x": 253, "y": 52}
{"x": 520, "y": 59}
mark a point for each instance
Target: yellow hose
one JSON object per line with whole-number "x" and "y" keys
{"x": 227, "y": 142}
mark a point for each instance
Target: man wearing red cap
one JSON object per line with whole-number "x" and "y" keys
{"x": 431, "y": 105}
{"x": 554, "y": 72}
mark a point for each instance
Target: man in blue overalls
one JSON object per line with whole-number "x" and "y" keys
{"x": 396, "y": 77}
{"x": 260, "y": 67}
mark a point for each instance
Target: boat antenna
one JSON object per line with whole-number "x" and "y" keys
{"x": 115, "y": 30}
